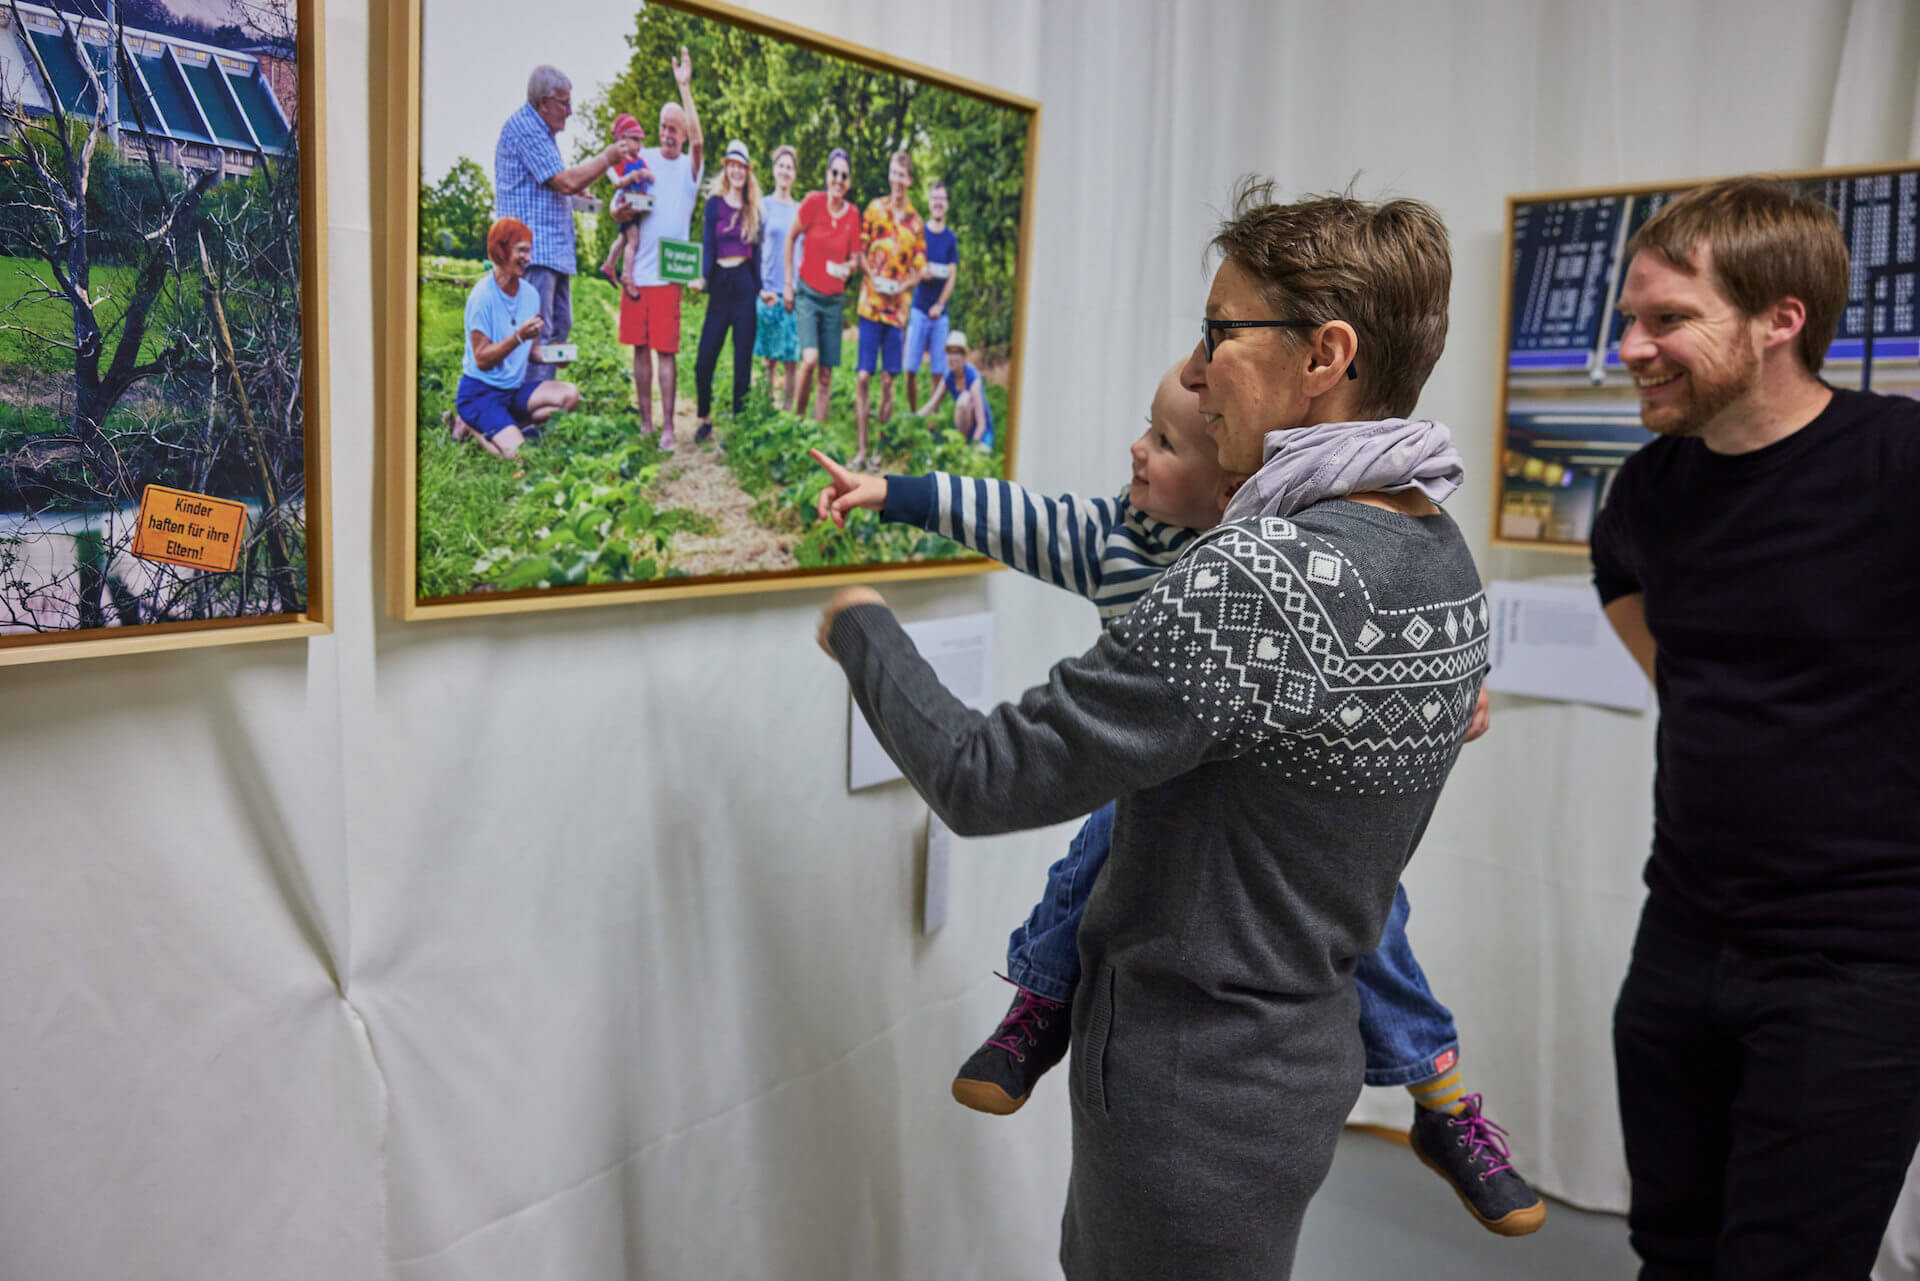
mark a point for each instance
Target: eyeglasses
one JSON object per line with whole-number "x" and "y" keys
{"x": 1208, "y": 326}
{"x": 841, "y": 174}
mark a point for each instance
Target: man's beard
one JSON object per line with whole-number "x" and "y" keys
{"x": 1703, "y": 402}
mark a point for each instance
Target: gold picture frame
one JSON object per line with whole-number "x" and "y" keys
{"x": 449, "y": 589}
{"x": 1568, "y": 414}
{"x": 186, "y": 106}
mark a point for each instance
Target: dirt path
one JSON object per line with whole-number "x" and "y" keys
{"x": 696, "y": 476}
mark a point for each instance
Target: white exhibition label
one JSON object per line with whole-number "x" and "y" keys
{"x": 1551, "y": 640}
{"x": 933, "y": 896}
{"x": 960, "y": 651}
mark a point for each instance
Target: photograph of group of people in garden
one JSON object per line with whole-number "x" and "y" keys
{"x": 826, "y": 249}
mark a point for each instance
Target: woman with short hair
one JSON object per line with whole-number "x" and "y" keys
{"x": 497, "y": 403}
{"x": 816, "y": 282}
{"x": 1274, "y": 720}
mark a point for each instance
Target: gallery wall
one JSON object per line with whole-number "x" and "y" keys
{"x": 553, "y": 946}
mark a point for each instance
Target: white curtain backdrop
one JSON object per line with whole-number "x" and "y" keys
{"x": 553, "y": 947}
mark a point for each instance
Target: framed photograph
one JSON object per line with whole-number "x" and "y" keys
{"x": 1569, "y": 414}
{"x": 639, "y": 267}
{"x": 162, "y": 325}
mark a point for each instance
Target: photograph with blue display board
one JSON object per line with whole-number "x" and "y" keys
{"x": 1569, "y": 412}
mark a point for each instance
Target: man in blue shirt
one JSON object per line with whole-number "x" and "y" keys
{"x": 927, "y": 324}
{"x": 531, "y": 183}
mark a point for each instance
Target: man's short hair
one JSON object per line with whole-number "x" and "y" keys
{"x": 544, "y": 83}
{"x": 1768, "y": 242}
{"x": 901, "y": 158}
{"x": 1383, "y": 268}
{"x": 932, "y": 183}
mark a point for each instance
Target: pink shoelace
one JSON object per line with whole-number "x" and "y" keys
{"x": 1021, "y": 1021}
{"x": 1485, "y": 1140}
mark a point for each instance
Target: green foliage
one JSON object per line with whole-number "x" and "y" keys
{"x": 584, "y": 508}
{"x": 456, "y": 212}
{"x": 767, "y": 451}
{"x": 576, "y": 508}
{"x": 770, "y": 92}
{"x": 123, "y": 204}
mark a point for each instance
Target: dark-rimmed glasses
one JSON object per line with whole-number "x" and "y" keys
{"x": 1207, "y": 327}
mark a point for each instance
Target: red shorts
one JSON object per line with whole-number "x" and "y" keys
{"x": 652, "y": 320}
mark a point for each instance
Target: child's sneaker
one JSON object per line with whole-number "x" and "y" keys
{"x": 999, "y": 1075}
{"x": 1470, "y": 1152}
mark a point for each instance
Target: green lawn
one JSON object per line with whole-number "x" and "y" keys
{"x": 584, "y": 510}
{"x": 54, "y": 317}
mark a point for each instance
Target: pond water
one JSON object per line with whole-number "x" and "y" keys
{"x": 39, "y": 588}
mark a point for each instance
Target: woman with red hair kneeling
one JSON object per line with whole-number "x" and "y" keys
{"x": 496, "y": 401}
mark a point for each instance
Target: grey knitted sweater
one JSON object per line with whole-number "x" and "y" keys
{"x": 1276, "y": 718}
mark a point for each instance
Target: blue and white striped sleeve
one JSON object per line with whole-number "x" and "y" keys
{"x": 1057, "y": 540}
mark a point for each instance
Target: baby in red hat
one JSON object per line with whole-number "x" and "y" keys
{"x": 633, "y": 187}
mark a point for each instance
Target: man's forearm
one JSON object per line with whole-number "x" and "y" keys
{"x": 947, "y": 293}
{"x": 1628, "y": 615}
{"x": 571, "y": 182}
{"x": 696, "y": 139}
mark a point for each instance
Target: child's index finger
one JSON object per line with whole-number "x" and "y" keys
{"x": 834, "y": 469}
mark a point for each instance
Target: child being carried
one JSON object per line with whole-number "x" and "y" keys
{"x": 633, "y": 189}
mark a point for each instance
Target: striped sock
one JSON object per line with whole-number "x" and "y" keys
{"x": 1440, "y": 1093}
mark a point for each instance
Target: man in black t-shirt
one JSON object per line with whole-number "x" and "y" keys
{"x": 1761, "y": 559}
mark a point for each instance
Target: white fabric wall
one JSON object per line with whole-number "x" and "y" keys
{"x": 552, "y": 947}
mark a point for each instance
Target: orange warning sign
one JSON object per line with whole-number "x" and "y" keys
{"x": 184, "y": 528}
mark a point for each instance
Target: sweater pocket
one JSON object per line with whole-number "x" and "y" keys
{"x": 1093, "y": 1056}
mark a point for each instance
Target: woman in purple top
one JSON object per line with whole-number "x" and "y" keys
{"x": 730, "y": 275}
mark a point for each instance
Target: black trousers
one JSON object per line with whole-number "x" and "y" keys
{"x": 732, "y": 295}
{"x": 1770, "y": 1103}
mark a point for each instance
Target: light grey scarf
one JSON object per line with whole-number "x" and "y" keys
{"x": 1331, "y": 460}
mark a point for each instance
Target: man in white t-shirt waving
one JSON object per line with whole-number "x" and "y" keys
{"x": 649, "y": 305}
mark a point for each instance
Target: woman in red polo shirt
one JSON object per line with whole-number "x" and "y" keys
{"x": 831, "y": 225}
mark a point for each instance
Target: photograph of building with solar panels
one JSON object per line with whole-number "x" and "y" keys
{"x": 150, "y": 305}
{"x": 1571, "y": 413}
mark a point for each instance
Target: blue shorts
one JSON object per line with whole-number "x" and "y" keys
{"x": 490, "y": 410}
{"x": 879, "y": 345}
{"x": 927, "y": 338}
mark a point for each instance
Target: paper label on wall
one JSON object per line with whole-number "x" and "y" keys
{"x": 933, "y": 893}
{"x": 1551, "y": 640}
{"x": 960, "y": 651}
{"x": 185, "y": 528}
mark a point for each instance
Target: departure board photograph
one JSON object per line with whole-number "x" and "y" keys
{"x": 1569, "y": 411}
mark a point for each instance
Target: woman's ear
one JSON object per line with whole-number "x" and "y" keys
{"x": 1333, "y": 348}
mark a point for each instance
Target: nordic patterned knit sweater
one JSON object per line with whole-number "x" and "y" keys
{"x": 1276, "y": 717}
{"x": 1102, "y": 548}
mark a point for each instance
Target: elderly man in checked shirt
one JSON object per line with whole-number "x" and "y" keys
{"x": 532, "y": 183}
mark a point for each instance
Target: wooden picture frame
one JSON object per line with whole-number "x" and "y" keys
{"x": 427, "y": 570}
{"x": 231, "y": 108}
{"x": 1568, "y": 414}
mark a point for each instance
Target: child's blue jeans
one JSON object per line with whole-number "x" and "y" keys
{"x": 1406, "y": 1030}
